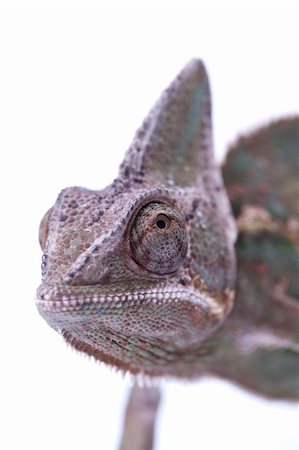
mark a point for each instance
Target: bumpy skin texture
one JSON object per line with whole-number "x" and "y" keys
{"x": 259, "y": 344}
{"x": 142, "y": 274}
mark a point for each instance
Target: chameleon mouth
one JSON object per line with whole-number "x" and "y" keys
{"x": 131, "y": 330}
{"x": 150, "y": 329}
{"x": 65, "y": 298}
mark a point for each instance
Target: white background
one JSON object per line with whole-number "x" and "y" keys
{"x": 77, "y": 78}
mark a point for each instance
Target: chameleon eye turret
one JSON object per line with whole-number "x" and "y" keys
{"x": 159, "y": 239}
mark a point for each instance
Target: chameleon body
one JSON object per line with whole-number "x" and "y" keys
{"x": 142, "y": 274}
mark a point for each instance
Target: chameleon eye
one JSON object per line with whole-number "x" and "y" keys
{"x": 44, "y": 229}
{"x": 162, "y": 221}
{"x": 158, "y": 239}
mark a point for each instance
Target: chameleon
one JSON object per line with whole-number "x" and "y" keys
{"x": 181, "y": 268}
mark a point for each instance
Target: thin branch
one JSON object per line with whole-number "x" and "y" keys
{"x": 139, "y": 423}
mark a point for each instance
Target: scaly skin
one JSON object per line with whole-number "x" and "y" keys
{"x": 260, "y": 340}
{"x": 141, "y": 274}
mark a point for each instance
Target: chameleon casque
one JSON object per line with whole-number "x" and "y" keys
{"x": 181, "y": 268}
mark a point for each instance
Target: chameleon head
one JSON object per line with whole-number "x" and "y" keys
{"x": 140, "y": 273}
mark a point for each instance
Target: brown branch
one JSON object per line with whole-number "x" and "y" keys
{"x": 139, "y": 423}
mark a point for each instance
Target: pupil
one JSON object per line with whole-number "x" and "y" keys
{"x": 161, "y": 224}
